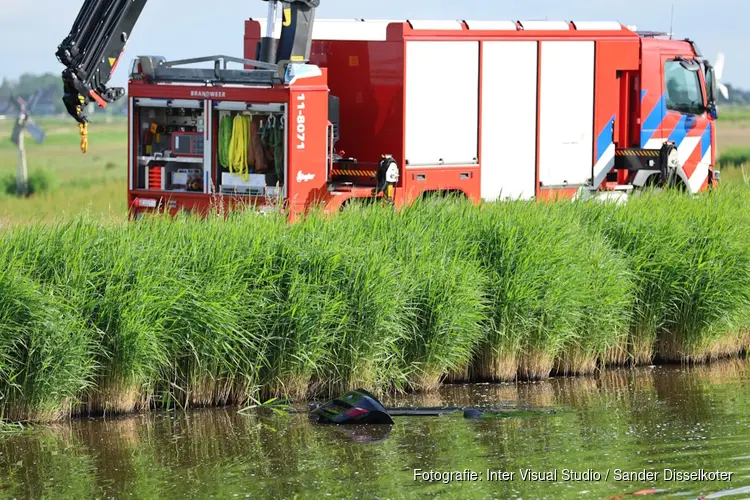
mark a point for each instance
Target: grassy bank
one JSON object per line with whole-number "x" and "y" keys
{"x": 98, "y": 317}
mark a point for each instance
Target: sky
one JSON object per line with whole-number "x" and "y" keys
{"x": 30, "y": 31}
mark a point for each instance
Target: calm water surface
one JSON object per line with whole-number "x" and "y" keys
{"x": 647, "y": 419}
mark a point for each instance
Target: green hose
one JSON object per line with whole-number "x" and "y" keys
{"x": 225, "y": 136}
{"x": 273, "y": 136}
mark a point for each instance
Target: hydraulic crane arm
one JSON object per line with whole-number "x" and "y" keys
{"x": 96, "y": 42}
{"x": 92, "y": 49}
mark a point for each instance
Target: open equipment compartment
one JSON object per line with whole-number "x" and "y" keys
{"x": 250, "y": 148}
{"x": 170, "y": 137}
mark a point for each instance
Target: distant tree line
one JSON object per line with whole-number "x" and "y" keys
{"x": 736, "y": 96}
{"x": 50, "y": 102}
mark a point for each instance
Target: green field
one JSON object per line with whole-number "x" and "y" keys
{"x": 734, "y": 140}
{"x": 735, "y": 114}
{"x": 94, "y": 182}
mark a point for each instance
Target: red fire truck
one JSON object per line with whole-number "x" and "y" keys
{"x": 329, "y": 111}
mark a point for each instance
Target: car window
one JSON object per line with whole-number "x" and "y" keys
{"x": 683, "y": 89}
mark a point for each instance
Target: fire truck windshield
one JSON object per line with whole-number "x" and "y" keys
{"x": 683, "y": 86}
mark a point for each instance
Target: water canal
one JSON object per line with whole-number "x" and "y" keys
{"x": 645, "y": 421}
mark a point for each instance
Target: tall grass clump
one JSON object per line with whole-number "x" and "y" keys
{"x": 341, "y": 314}
{"x": 348, "y": 305}
{"x": 449, "y": 289}
{"x": 202, "y": 306}
{"x": 544, "y": 268}
{"x": 376, "y": 322}
{"x": 690, "y": 261}
{"x": 604, "y": 298}
{"x": 102, "y": 272}
{"x": 40, "y": 181}
{"x": 46, "y": 356}
{"x": 435, "y": 254}
{"x": 730, "y": 223}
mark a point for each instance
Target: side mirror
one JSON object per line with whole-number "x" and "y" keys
{"x": 711, "y": 83}
{"x": 711, "y": 91}
{"x": 690, "y": 65}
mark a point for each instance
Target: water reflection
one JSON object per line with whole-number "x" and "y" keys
{"x": 359, "y": 433}
{"x": 651, "y": 418}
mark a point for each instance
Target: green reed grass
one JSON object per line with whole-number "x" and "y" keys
{"x": 604, "y": 290}
{"x": 45, "y": 361}
{"x": 239, "y": 308}
{"x": 558, "y": 293}
{"x": 440, "y": 283}
{"x": 690, "y": 261}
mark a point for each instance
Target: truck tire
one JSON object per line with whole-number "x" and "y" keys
{"x": 669, "y": 163}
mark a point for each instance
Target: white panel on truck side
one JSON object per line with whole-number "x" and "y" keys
{"x": 566, "y": 106}
{"x": 509, "y": 98}
{"x": 339, "y": 29}
{"x": 442, "y": 101}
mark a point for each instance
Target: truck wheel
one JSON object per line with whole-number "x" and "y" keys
{"x": 669, "y": 162}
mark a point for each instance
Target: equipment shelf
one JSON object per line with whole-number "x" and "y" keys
{"x": 145, "y": 160}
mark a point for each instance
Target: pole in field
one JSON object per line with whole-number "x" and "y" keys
{"x": 23, "y": 124}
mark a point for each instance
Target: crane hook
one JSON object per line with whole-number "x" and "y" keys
{"x": 83, "y": 129}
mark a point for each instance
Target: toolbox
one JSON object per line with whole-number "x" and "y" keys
{"x": 187, "y": 144}
{"x": 189, "y": 179}
{"x": 255, "y": 185}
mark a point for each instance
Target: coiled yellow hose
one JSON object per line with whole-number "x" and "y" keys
{"x": 238, "y": 146}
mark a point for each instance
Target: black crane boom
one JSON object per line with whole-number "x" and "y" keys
{"x": 97, "y": 40}
{"x": 91, "y": 51}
